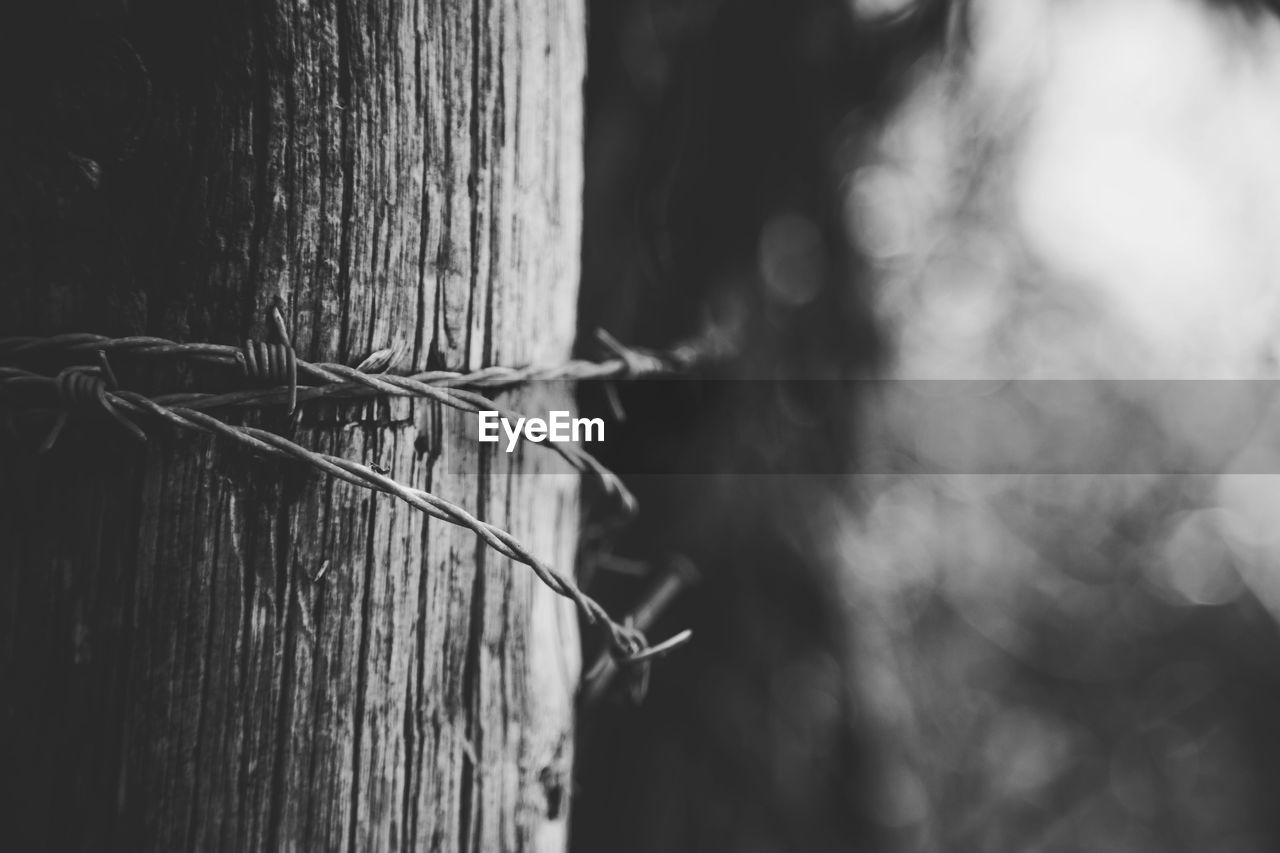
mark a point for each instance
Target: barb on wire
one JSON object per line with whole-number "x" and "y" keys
{"x": 78, "y": 388}
{"x": 272, "y": 364}
{"x": 680, "y": 575}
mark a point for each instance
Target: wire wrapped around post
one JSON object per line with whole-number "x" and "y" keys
{"x": 94, "y": 388}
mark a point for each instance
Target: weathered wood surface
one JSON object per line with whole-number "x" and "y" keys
{"x": 205, "y": 650}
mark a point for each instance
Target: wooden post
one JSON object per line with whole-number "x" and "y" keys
{"x": 205, "y": 650}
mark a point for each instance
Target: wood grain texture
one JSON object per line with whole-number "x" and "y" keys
{"x": 204, "y": 650}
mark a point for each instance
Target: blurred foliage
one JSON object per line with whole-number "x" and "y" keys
{"x": 1021, "y": 629}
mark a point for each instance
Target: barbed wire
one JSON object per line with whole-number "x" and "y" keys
{"x": 342, "y": 382}
{"x": 627, "y": 363}
{"x": 82, "y": 387}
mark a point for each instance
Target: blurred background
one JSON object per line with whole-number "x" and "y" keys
{"x": 1015, "y": 588}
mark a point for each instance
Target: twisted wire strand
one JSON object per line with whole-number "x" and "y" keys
{"x": 340, "y": 381}
{"x": 626, "y": 642}
{"x": 277, "y": 364}
{"x": 635, "y": 364}
{"x": 470, "y": 401}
